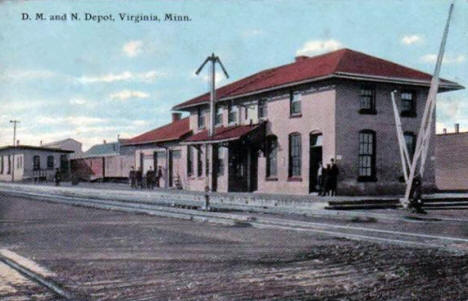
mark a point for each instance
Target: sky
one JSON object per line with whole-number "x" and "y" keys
{"x": 93, "y": 81}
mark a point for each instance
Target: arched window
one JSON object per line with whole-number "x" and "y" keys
{"x": 271, "y": 156}
{"x": 36, "y": 163}
{"x": 410, "y": 139}
{"x": 295, "y": 155}
{"x": 367, "y": 146}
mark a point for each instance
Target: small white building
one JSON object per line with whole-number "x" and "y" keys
{"x": 25, "y": 162}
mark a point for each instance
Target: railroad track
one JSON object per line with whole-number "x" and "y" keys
{"x": 411, "y": 239}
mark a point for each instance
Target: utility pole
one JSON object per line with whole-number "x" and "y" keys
{"x": 211, "y": 129}
{"x": 12, "y": 164}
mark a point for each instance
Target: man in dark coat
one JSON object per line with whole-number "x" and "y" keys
{"x": 326, "y": 180}
{"x": 158, "y": 176}
{"x": 416, "y": 201}
{"x": 132, "y": 178}
{"x": 150, "y": 178}
{"x": 57, "y": 177}
{"x": 334, "y": 171}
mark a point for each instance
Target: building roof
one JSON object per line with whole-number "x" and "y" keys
{"x": 102, "y": 150}
{"x": 61, "y": 142}
{"x": 343, "y": 63}
{"x": 222, "y": 134}
{"x": 175, "y": 130}
{"x": 31, "y": 147}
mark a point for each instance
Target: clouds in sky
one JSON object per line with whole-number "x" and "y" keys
{"x": 448, "y": 59}
{"x": 148, "y": 77}
{"x": 314, "y": 47}
{"x": 132, "y": 48}
{"x": 128, "y": 94}
{"x": 451, "y": 111}
{"x": 412, "y": 39}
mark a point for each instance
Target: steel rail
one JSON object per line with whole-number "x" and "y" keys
{"x": 350, "y": 232}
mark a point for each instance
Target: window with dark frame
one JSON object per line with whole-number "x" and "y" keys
{"x": 189, "y": 161}
{"x": 220, "y": 166}
{"x": 367, "y": 101}
{"x": 408, "y": 104}
{"x": 1, "y": 164}
{"x": 36, "y": 163}
{"x": 262, "y": 108}
{"x": 367, "y": 148}
{"x": 50, "y": 162}
{"x": 410, "y": 140}
{"x": 9, "y": 165}
{"x": 199, "y": 162}
{"x": 219, "y": 115}
{"x": 232, "y": 113}
{"x": 295, "y": 154}
{"x": 271, "y": 156}
{"x": 200, "y": 118}
{"x": 295, "y": 103}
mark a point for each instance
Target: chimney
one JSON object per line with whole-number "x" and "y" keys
{"x": 40, "y": 143}
{"x": 444, "y": 131}
{"x": 104, "y": 141}
{"x": 301, "y": 58}
{"x": 17, "y": 142}
{"x": 457, "y": 128}
{"x": 176, "y": 116}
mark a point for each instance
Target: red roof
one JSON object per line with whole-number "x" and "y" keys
{"x": 169, "y": 132}
{"x": 343, "y": 62}
{"x": 223, "y": 133}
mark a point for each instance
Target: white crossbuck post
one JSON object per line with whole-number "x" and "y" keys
{"x": 422, "y": 143}
{"x": 405, "y": 158}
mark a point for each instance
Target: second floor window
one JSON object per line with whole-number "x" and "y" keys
{"x": 295, "y": 155}
{"x": 367, "y": 101}
{"x": 295, "y": 103}
{"x": 262, "y": 108}
{"x": 408, "y": 104}
{"x": 36, "y": 163}
{"x": 219, "y": 115}
{"x": 233, "y": 113}
{"x": 200, "y": 118}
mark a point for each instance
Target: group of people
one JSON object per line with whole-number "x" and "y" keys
{"x": 150, "y": 180}
{"x": 327, "y": 178}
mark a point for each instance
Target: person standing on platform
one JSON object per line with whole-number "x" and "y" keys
{"x": 326, "y": 180}
{"x": 132, "y": 178}
{"x": 334, "y": 171}
{"x": 319, "y": 185}
{"x": 150, "y": 178}
{"x": 57, "y": 177}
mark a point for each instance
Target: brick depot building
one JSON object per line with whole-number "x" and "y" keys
{"x": 274, "y": 127}
{"x": 160, "y": 148}
{"x": 452, "y": 161}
